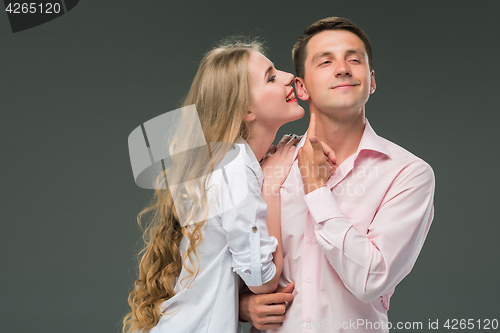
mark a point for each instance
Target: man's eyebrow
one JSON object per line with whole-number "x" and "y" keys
{"x": 328, "y": 53}
{"x": 356, "y": 51}
{"x": 322, "y": 54}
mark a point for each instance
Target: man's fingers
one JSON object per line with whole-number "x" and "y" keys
{"x": 266, "y": 327}
{"x": 300, "y": 155}
{"x": 273, "y": 310}
{"x": 316, "y": 144}
{"x": 287, "y": 289}
{"x": 278, "y": 298}
{"x": 311, "y": 137}
{"x": 311, "y": 129}
{"x": 313, "y": 124}
{"x": 331, "y": 170}
{"x": 303, "y": 156}
{"x": 329, "y": 152}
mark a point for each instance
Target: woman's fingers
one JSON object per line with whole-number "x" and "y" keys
{"x": 284, "y": 140}
{"x": 271, "y": 150}
{"x": 292, "y": 143}
{"x": 289, "y": 141}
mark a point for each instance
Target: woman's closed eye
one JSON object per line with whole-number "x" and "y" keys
{"x": 272, "y": 78}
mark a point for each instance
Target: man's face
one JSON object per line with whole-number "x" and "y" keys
{"x": 337, "y": 79}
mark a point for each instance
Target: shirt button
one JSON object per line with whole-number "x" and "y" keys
{"x": 309, "y": 318}
{"x": 254, "y": 229}
{"x": 308, "y": 279}
{"x": 311, "y": 240}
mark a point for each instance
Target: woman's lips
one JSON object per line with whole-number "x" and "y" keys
{"x": 291, "y": 97}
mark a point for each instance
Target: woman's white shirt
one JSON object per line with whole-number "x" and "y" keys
{"x": 235, "y": 240}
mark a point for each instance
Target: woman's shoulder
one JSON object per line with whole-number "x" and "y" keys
{"x": 252, "y": 165}
{"x": 239, "y": 163}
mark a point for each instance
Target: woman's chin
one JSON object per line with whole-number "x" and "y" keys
{"x": 295, "y": 116}
{"x": 300, "y": 113}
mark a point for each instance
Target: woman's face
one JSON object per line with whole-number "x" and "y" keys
{"x": 274, "y": 102}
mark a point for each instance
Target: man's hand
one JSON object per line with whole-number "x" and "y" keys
{"x": 265, "y": 311}
{"x": 316, "y": 160}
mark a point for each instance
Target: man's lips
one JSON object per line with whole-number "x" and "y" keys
{"x": 344, "y": 86}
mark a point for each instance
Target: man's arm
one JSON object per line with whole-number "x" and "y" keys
{"x": 372, "y": 264}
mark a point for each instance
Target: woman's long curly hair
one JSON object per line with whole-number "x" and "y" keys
{"x": 221, "y": 93}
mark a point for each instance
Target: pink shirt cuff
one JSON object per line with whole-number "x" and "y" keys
{"x": 322, "y": 205}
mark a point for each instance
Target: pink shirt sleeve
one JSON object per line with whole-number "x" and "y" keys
{"x": 372, "y": 264}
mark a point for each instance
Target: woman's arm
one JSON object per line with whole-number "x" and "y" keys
{"x": 273, "y": 225}
{"x": 275, "y": 167}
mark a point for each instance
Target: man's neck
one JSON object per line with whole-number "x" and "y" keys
{"x": 342, "y": 135}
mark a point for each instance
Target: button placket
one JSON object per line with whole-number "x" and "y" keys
{"x": 308, "y": 268}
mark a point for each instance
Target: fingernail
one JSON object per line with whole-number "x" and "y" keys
{"x": 313, "y": 139}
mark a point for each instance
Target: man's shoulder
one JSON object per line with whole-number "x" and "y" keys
{"x": 404, "y": 159}
{"x": 398, "y": 153}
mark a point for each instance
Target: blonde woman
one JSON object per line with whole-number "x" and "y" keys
{"x": 189, "y": 273}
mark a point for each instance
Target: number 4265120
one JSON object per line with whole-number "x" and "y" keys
{"x": 33, "y": 8}
{"x": 462, "y": 324}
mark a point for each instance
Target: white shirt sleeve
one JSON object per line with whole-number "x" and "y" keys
{"x": 246, "y": 227}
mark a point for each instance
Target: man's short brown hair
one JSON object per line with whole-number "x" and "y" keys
{"x": 330, "y": 23}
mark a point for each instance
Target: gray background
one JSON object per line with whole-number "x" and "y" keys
{"x": 73, "y": 89}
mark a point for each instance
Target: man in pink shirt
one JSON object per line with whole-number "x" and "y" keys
{"x": 348, "y": 239}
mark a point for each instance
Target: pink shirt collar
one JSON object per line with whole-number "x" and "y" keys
{"x": 369, "y": 141}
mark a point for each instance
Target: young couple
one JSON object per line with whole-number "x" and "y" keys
{"x": 320, "y": 246}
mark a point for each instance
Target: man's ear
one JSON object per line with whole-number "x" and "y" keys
{"x": 373, "y": 85}
{"x": 250, "y": 116}
{"x": 300, "y": 89}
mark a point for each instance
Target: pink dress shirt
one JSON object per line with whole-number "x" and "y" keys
{"x": 347, "y": 245}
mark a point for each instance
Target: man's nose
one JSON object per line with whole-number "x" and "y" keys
{"x": 342, "y": 69}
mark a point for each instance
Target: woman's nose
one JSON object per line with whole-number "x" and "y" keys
{"x": 288, "y": 78}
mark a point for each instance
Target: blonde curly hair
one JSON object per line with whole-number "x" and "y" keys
{"x": 221, "y": 93}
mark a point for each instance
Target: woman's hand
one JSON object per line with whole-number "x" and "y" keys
{"x": 316, "y": 160}
{"x": 277, "y": 164}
